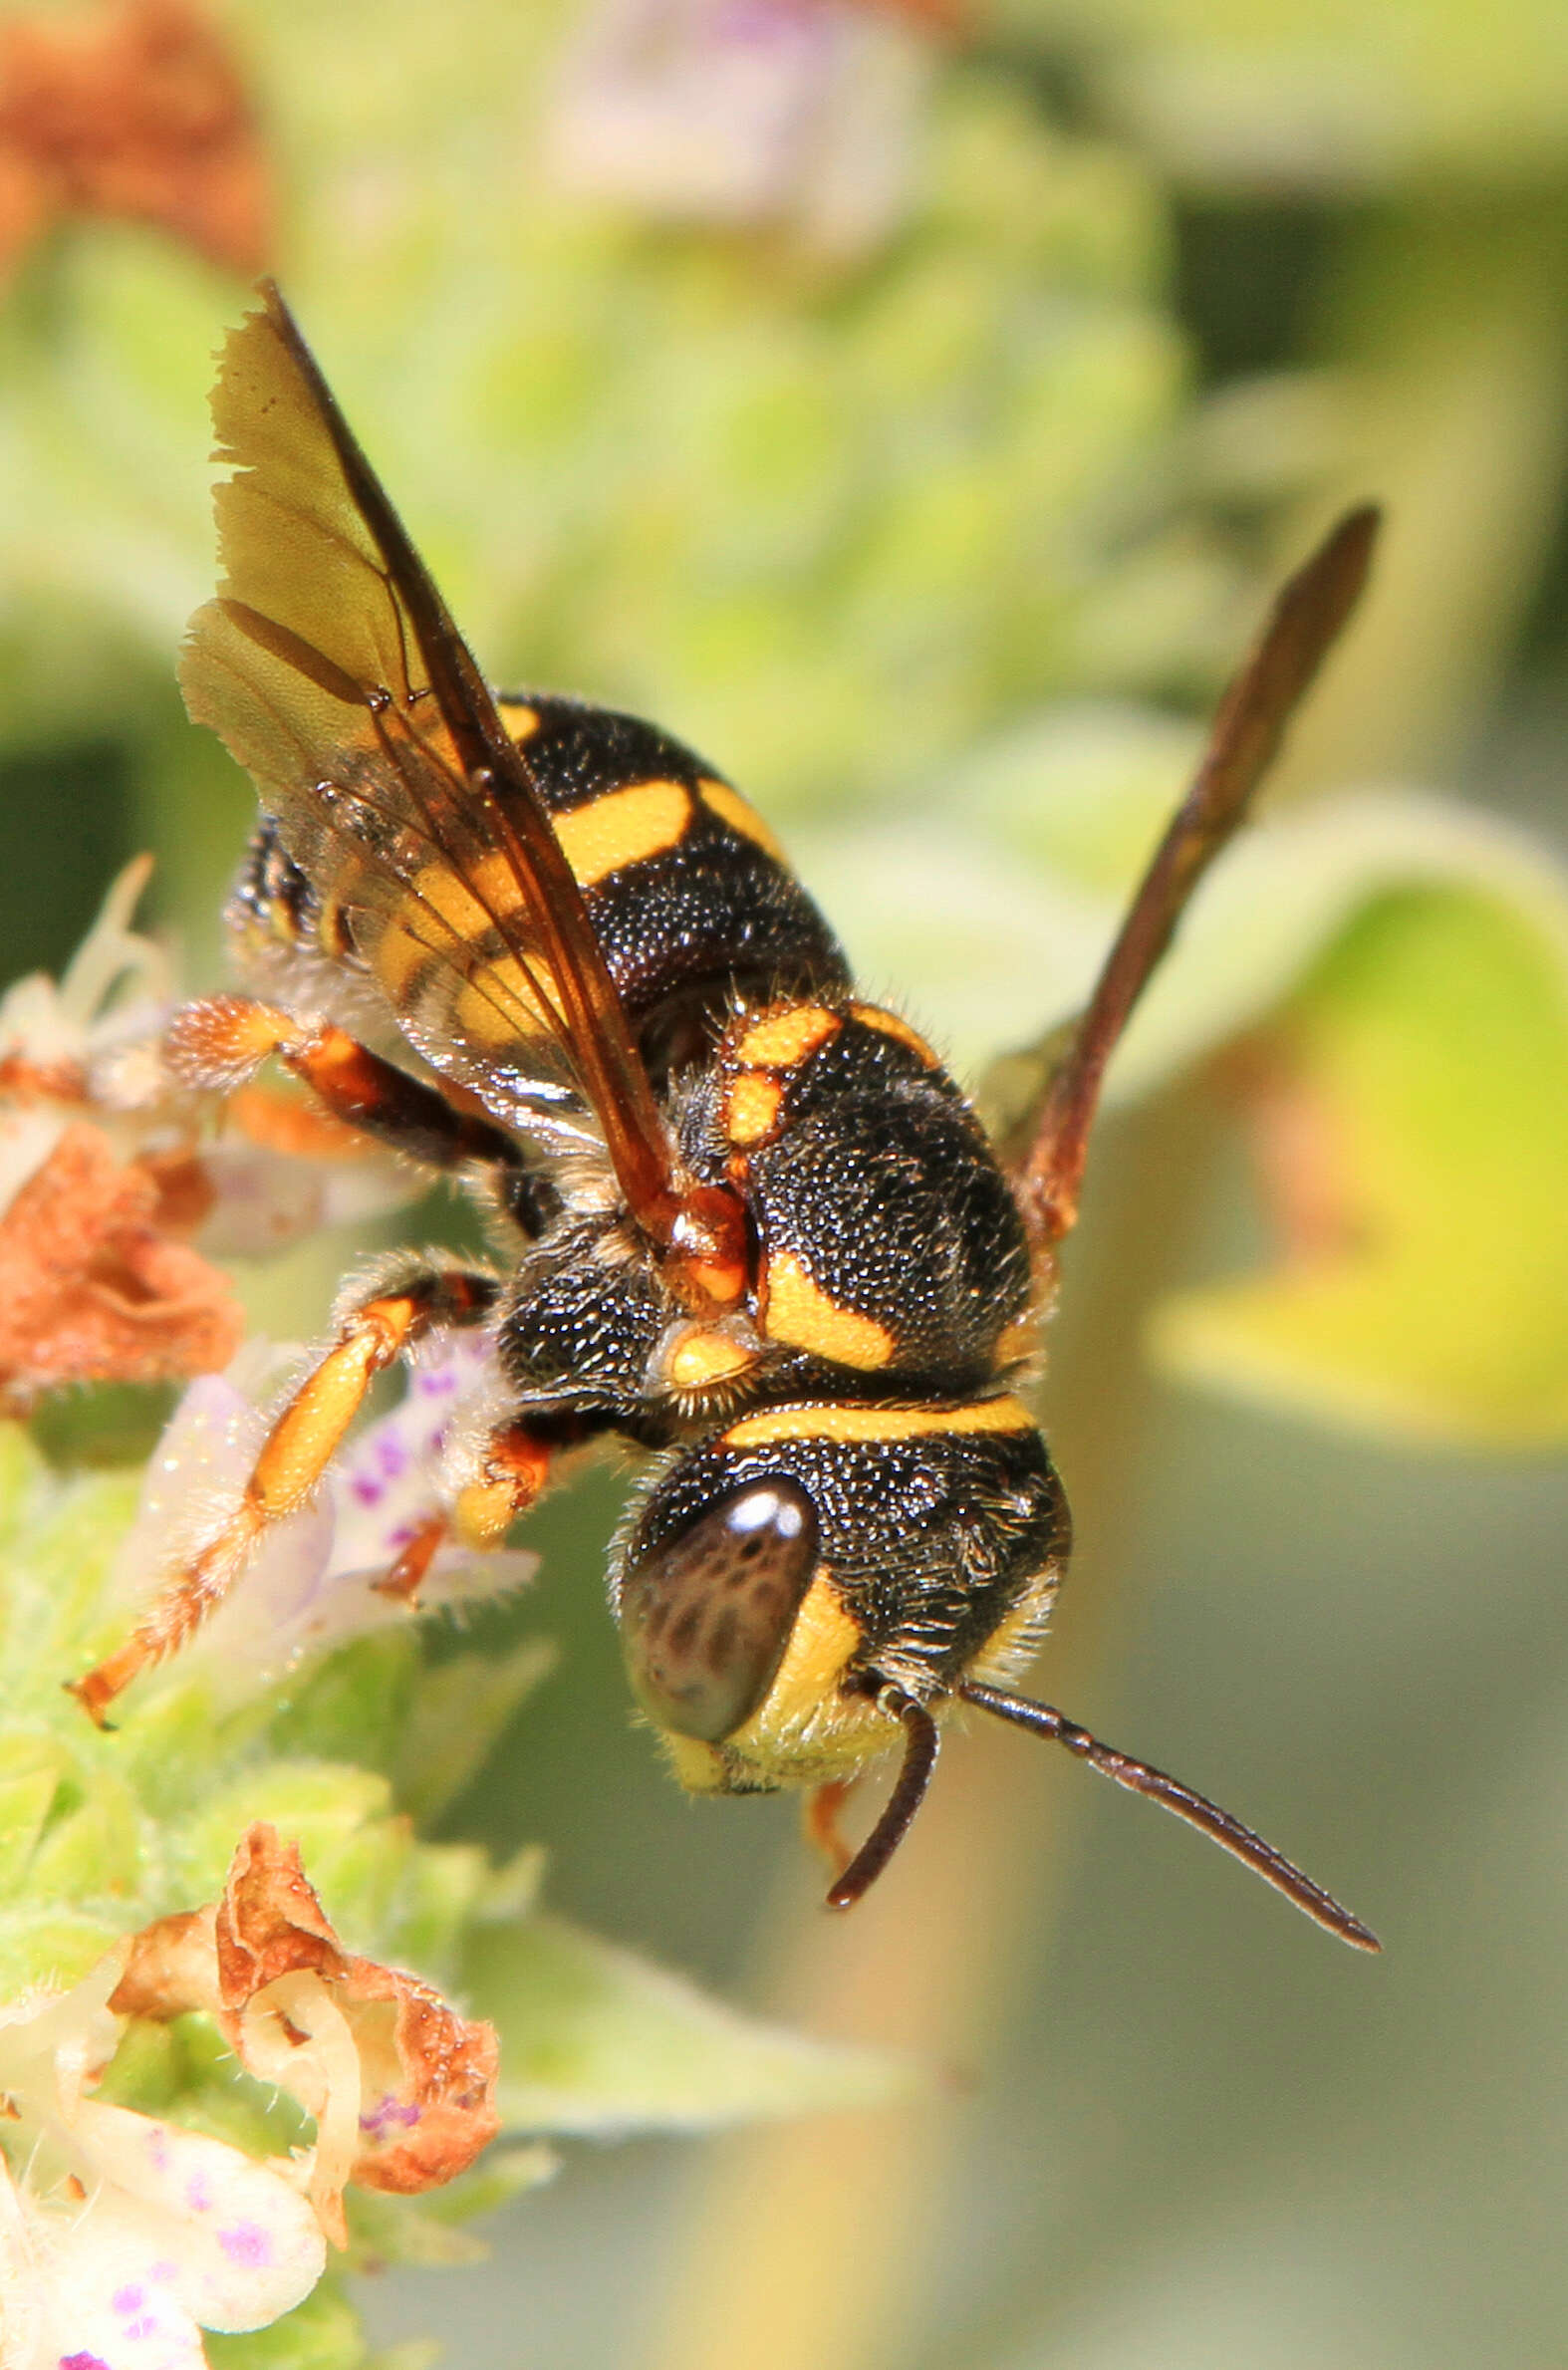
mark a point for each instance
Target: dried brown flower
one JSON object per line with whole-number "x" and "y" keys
{"x": 139, "y": 111}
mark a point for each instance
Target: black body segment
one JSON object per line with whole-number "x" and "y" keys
{"x": 890, "y": 1243}
{"x": 690, "y": 897}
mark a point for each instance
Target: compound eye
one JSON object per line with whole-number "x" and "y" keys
{"x": 705, "y": 1618}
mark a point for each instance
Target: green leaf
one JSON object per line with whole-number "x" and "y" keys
{"x": 1431, "y": 1046}
{"x": 323, "y": 2334}
{"x": 458, "y": 1713}
{"x": 430, "y": 2233}
{"x": 596, "y": 2042}
{"x": 1315, "y": 92}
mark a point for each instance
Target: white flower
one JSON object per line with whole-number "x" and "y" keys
{"x": 123, "y": 2237}
{"x": 311, "y": 1584}
{"x": 746, "y": 112}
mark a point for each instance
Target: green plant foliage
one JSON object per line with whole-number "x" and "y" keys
{"x": 102, "y": 1833}
{"x": 1401, "y": 961}
{"x": 1324, "y": 94}
{"x": 595, "y": 2041}
{"x": 1431, "y": 1049}
{"x": 817, "y": 514}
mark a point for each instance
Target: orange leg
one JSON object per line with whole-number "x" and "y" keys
{"x": 820, "y": 1819}
{"x": 292, "y": 1458}
{"x": 219, "y": 1043}
{"x": 404, "y": 1579}
{"x": 513, "y": 1467}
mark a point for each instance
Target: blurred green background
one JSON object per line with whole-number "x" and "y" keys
{"x": 912, "y": 412}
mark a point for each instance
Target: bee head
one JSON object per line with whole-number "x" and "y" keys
{"x": 788, "y": 1585}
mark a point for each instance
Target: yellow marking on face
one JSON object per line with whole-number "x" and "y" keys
{"x": 521, "y": 721}
{"x": 702, "y": 1356}
{"x": 751, "y": 1107}
{"x": 623, "y": 828}
{"x": 800, "y": 1313}
{"x": 787, "y": 1037}
{"x": 806, "y": 1729}
{"x": 699, "y": 1768}
{"x": 740, "y": 815}
{"x": 889, "y": 1026}
{"x": 823, "y": 1642}
{"x": 876, "y": 1424}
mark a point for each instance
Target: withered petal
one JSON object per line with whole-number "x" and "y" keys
{"x": 90, "y": 1291}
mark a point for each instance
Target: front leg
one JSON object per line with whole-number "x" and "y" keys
{"x": 372, "y": 1332}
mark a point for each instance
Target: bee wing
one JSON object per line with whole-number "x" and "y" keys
{"x": 1249, "y": 727}
{"x": 331, "y": 668}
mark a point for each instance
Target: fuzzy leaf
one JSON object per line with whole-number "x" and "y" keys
{"x": 1314, "y": 93}
{"x": 596, "y": 2042}
{"x": 1431, "y": 1048}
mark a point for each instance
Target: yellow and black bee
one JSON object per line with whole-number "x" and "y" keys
{"x": 750, "y": 1224}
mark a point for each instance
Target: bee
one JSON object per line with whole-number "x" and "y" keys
{"x": 749, "y": 1224}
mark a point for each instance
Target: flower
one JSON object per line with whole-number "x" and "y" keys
{"x": 122, "y": 2235}
{"x": 139, "y": 112}
{"x": 113, "y": 1208}
{"x": 747, "y": 112}
{"x": 312, "y": 1583}
{"x": 401, "y": 2088}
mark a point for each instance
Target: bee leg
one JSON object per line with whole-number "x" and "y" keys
{"x": 402, "y": 1579}
{"x": 292, "y": 1458}
{"x": 511, "y": 1468}
{"x": 820, "y": 1820}
{"x": 217, "y": 1044}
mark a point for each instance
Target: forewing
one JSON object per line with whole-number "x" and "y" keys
{"x": 329, "y": 666}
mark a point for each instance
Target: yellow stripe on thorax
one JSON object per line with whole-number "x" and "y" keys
{"x": 752, "y": 1103}
{"x": 888, "y": 1024}
{"x": 784, "y": 1038}
{"x": 801, "y": 1315}
{"x": 877, "y": 1423}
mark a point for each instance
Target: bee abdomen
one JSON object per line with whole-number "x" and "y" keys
{"x": 691, "y": 899}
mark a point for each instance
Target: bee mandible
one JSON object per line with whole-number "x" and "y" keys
{"x": 746, "y": 1222}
